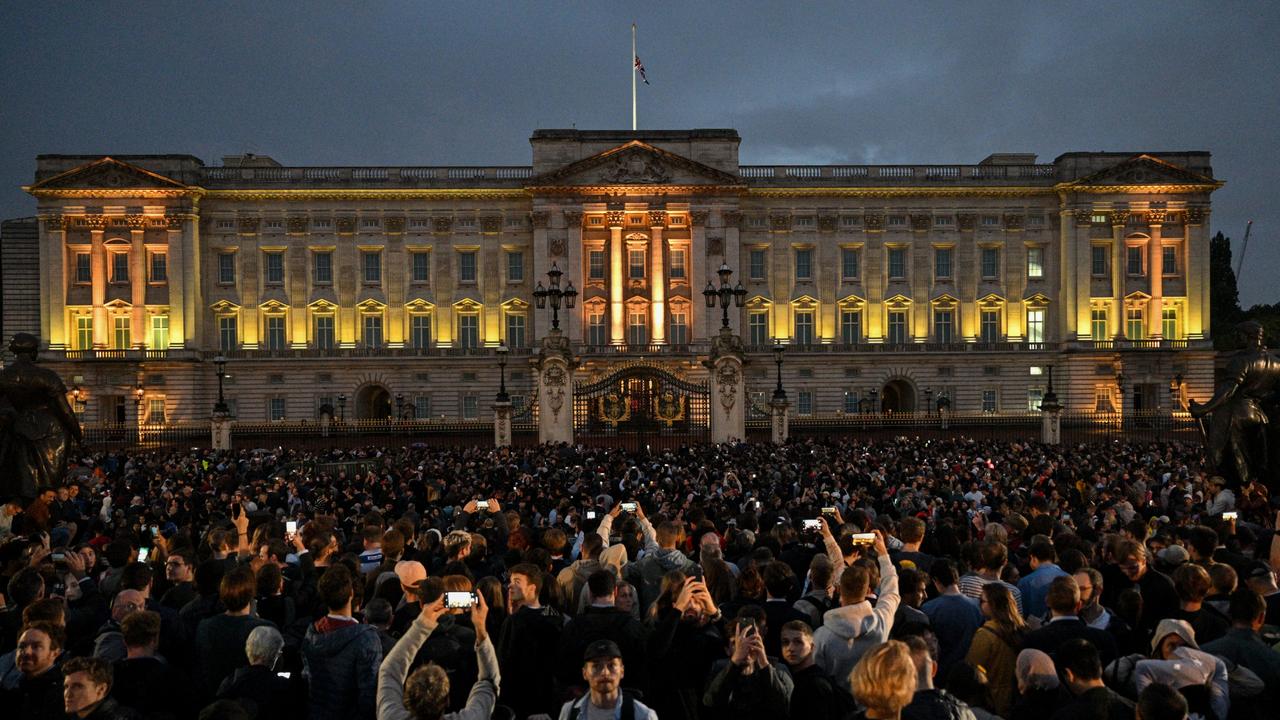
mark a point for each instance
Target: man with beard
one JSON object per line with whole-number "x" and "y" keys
{"x": 603, "y": 670}
{"x": 39, "y": 691}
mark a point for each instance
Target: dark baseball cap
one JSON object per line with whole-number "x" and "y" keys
{"x": 601, "y": 649}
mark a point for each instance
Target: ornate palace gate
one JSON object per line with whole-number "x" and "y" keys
{"x": 641, "y": 405}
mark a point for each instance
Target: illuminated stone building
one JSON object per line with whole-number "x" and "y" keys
{"x": 392, "y": 286}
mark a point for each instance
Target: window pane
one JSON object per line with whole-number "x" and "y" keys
{"x": 635, "y": 264}
{"x": 849, "y": 264}
{"x": 637, "y": 328}
{"x": 1170, "y": 260}
{"x": 323, "y": 267}
{"x": 324, "y": 332}
{"x": 1035, "y": 262}
{"x": 421, "y": 267}
{"x": 155, "y": 411}
{"x": 227, "y": 336}
{"x": 804, "y": 328}
{"x": 1100, "y": 264}
{"x": 1035, "y": 326}
{"x": 159, "y": 267}
{"x": 897, "y": 263}
{"x": 469, "y": 331}
{"x": 84, "y": 268}
{"x": 1035, "y": 396}
{"x": 988, "y": 401}
{"x": 1135, "y": 261}
{"x": 159, "y": 332}
{"x": 677, "y": 265}
{"x": 942, "y": 262}
{"x": 122, "y": 337}
{"x": 757, "y": 264}
{"x": 1169, "y": 324}
{"x": 84, "y": 332}
{"x": 804, "y": 264}
{"x": 372, "y": 267}
{"x": 421, "y": 407}
{"x": 990, "y": 326}
{"x": 120, "y": 267}
{"x": 467, "y": 267}
{"x": 1098, "y": 325}
{"x": 275, "y": 409}
{"x": 758, "y": 325}
{"x": 227, "y": 268}
{"x": 990, "y": 262}
{"x": 1135, "y": 324}
{"x": 850, "y": 327}
{"x": 942, "y": 321}
{"x": 470, "y": 407}
{"x": 275, "y": 332}
{"x": 897, "y": 327}
{"x": 679, "y": 334}
{"x": 596, "y": 329}
{"x": 850, "y": 401}
{"x": 372, "y": 325}
{"x": 274, "y": 268}
{"x": 596, "y": 264}
{"x": 515, "y": 330}
{"x": 804, "y": 406}
{"x": 515, "y": 266}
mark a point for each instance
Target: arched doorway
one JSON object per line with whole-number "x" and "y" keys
{"x": 373, "y": 402}
{"x": 898, "y": 396}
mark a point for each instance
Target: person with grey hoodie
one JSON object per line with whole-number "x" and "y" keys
{"x": 659, "y": 557}
{"x": 857, "y": 626}
{"x": 573, "y": 579}
{"x": 341, "y": 655}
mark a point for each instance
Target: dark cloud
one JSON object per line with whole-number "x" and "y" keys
{"x": 422, "y": 83}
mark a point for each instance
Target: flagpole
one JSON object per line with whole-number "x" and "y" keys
{"x": 633, "y": 77}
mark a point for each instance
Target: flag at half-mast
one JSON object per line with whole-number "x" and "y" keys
{"x": 640, "y": 69}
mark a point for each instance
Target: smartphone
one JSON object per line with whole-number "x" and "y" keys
{"x": 1230, "y": 515}
{"x": 829, "y": 510}
{"x": 143, "y": 553}
{"x": 284, "y": 674}
{"x": 59, "y": 557}
{"x": 629, "y": 507}
{"x": 482, "y": 504}
{"x": 863, "y": 538}
{"x": 591, "y": 514}
{"x": 811, "y": 525}
{"x": 756, "y": 504}
{"x": 155, "y": 530}
{"x": 291, "y": 526}
{"x": 455, "y": 600}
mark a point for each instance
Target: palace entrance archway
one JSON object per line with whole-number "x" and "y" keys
{"x": 373, "y": 402}
{"x": 898, "y": 396}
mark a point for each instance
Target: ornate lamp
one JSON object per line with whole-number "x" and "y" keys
{"x": 502, "y": 397}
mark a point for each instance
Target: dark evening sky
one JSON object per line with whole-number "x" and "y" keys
{"x": 418, "y": 83}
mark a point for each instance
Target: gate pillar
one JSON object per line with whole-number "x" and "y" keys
{"x": 728, "y": 402}
{"x": 502, "y": 424}
{"x": 555, "y": 390}
{"x": 220, "y": 431}
{"x": 1050, "y": 415}
{"x": 778, "y": 420}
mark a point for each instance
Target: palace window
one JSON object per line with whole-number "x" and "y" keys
{"x": 322, "y": 268}
{"x": 989, "y": 401}
{"x": 851, "y": 401}
{"x": 990, "y": 263}
{"x": 274, "y": 268}
{"x": 226, "y": 268}
{"x": 677, "y": 264}
{"x": 637, "y": 328}
{"x": 469, "y": 331}
{"x": 155, "y": 411}
{"x": 515, "y": 266}
{"x": 804, "y": 404}
{"x": 275, "y": 409}
{"x": 1035, "y": 325}
{"x": 758, "y": 327}
{"x": 1035, "y": 263}
{"x": 275, "y": 332}
{"x": 850, "y": 327}
{"x": 420, "y": 270}
{"x": 897, "y": 327}
{"x": 159, "y": 267}
{"x": 122, "y": 335}
{"x": 1098, "y": 324}
{"x": 990, "y": 326}
{"x": 635, "y": 263}
{"x": 159, "y": 332}
{"x": 421, "y": 407}
{"x": 1135, "y": 257}
{"x": 1170, "y": 260}
{"x": 942, "y": 263}
{"x": 372, "y": 263}
{"x": 84, "y": 332}
{"x": 943, "y": 322}
{"x": 597, "y": 331}
{"x": 1035, "y": 396}
{"x": 679, "y": 330}
{"x": 1169, "y": 326}
{"x": 804, "y": 264}
{"x": 1099, "y": 260}
{"x": 324, "y": 332}
{"x": 371, "y": 326}
{"x": 1135, "y": 323}
{"x": 897, "y": 263}
{"x": 228, "y": 334}
{"x": 515, "y": 330}
{"x": 470, "y": 407}
{"x": 849, "y": 263}
{"x": 420, "y": 331}
{"x": 84, "y": 268}
{"x": 120, "y": 267}
{"x": 595, "y": 265}
{"x": 757, "y": 264}
{"x": 804, "y": 327}
{"x": 467, "y": 267}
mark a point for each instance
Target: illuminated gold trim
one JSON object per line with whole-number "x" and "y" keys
{"x": 362, "y": 194}
{"x": 110, "y": 192}
{"x": 973, "y": 191}
{"x": 649, "y": 190}
{"x": 1146, "y": 188}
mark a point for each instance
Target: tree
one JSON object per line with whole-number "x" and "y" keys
{"x": 1224, "y": 297}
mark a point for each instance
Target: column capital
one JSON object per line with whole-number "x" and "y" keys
{"x": 1083, "y": 216}
{"x": 698, "y": 218}
{"x": 873, "y": 222}
{"x": 657, "y": 219}
{"x": 1120, "y": 218}
{"x": 1196, "y": 215}
{"x": 731, "y": 218}
{"x": 539, "y": 219}
{"x": 615, "y": 218}
{"x": 297, "y": 224}
{"x": 965, "y": 221}
{"x": 1157, "y": 216}
{"x": 56, "y": 223}
{"x": 572, "y": 218}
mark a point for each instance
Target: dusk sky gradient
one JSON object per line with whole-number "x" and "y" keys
{"x": 417, "y": 83}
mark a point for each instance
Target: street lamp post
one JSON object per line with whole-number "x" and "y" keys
{"x": 502, "y": 374}
{"x": 342, "y": 408}
{"x": 779, "y": 395}
{"x": 567, "y": 296}
{"x": 220, "y": 407}
{"x": 138, "y": 392}
{"x": 728, "y": 294}
{"x": 1120, "y": 390}
{"x": 928, "y": 401}
{"x": 399, "y": 407}
{"x": 875, "y": 401}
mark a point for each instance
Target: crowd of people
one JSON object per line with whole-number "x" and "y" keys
{"x": 921, "y": 580}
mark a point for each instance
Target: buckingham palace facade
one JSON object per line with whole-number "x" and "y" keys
{"x": 383, "y": 290}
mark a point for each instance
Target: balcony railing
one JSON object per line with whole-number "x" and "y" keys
{"x": 134, "y": 354}
{"x": 369, "y": 176}
{"x": 1142, "y": 344}
{"x": 912, "y": 347}
{"x": 358, "y": 352}
{"x": 932, "y": 174}
{"x": 647, "y": 349}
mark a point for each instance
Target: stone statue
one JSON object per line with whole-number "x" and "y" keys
{"x": 36, "y": 424}
{"x": 1243, "y": 414}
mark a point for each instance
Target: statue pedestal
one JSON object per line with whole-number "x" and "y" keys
{"x": 502, "y": 424}
{"x": 220, "y": 431}
{"x": 555, "y": 390}
{"x": 1051, "y": 427}
{"x": 779, "y": 423}
{"x": 325, "y": 420}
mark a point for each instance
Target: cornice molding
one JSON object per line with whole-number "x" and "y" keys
{"x": 893, "y": 192}
{"x": 369, "y": 194}
{"x": 1145, "y": 189}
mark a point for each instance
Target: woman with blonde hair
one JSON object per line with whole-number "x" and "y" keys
{"x": 884, "y": 681}
{"x": 996, "y": 644}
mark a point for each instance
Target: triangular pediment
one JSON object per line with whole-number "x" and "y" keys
{"x": 804, "y": 301}
{"x": 990, "y": 300}
{"x": 1038, "y": 299}
{"x": 1144, "y": 170}
{"x": 224, "y": 306}
{"x": 945, "y": 300}
{"x": 635, "y": 163}
{"x": 851, "y": 300}
{"x": 108, "y": 174}
{"x": 898, "y": 301}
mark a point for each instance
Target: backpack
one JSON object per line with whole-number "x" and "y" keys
{"x": 820, "y": 606}
{"x": 628, "y": 711}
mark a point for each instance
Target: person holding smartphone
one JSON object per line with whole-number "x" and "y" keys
{"x": 750, "y": 684}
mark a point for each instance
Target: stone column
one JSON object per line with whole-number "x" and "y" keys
{"x": 138, "y": 286}
{"x": 617, "y": 271}
{"x": 778, "y": 408}
{"x": 1155, "y": 268}
{"x": 98, "y": 292}
{"x": 54, "y": 330}
{"x": 555, "y": 390}
{"x": 698, "y": 329}
{"x": 657, "y": 277}
{"x": 1119, "y": 219}
{"x": 575, "y": 271}
{"x": 176, "y": 285}
{"x": 502, "y": 424}
{"x": 728, "y": 396}
{"x": 1196, "y": 247}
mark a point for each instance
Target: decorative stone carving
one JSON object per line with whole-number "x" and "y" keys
{"x": 779, "y": 222}
{"x": 137, "y": 222}
{"x": 553, "y": 381}
{"x": 442, "y": 223}
{"x": 539, "y": 218}
{"x": 827, "y": 223}
{"x": 174, "y": 222}
{"x": 346, "y": 225}
{"x": 873, "y": 222}
{"x": 491, "y": 224}
{"x": 1157, "y": 216}
{"x": 699, "y": 217}
{"x": 1196, "y": 215}
{"x": 1120, "y": 218}
{"x": 635, "y": 168}
{"x": 732, "y": 218}
{"x": 394, "y": 225}
{"x": 95, "y": 222}
{"x": 556, "y": 245}
{"x": 920, "y": 222}
{"x": 573, "y": 218}
{"x": 55, "y": 224}
{"x": 1083, "y": 217}
{"x": 297, "y": 224}
{"x": 1012, "y": 221}
{"x": 727, "y": 383}
{"x": 715, "y": 245}
{"x": 615, "y": 218}
{"x": 249, "y": 225}
{"x": 657, "y": 218}
{"x": 966, "y": 221}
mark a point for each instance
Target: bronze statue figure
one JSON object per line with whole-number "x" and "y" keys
{"x": 36, "y": 424}
{"x": 1241, "y": 428}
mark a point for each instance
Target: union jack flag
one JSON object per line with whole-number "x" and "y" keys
{"x": 640, "y": 69}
